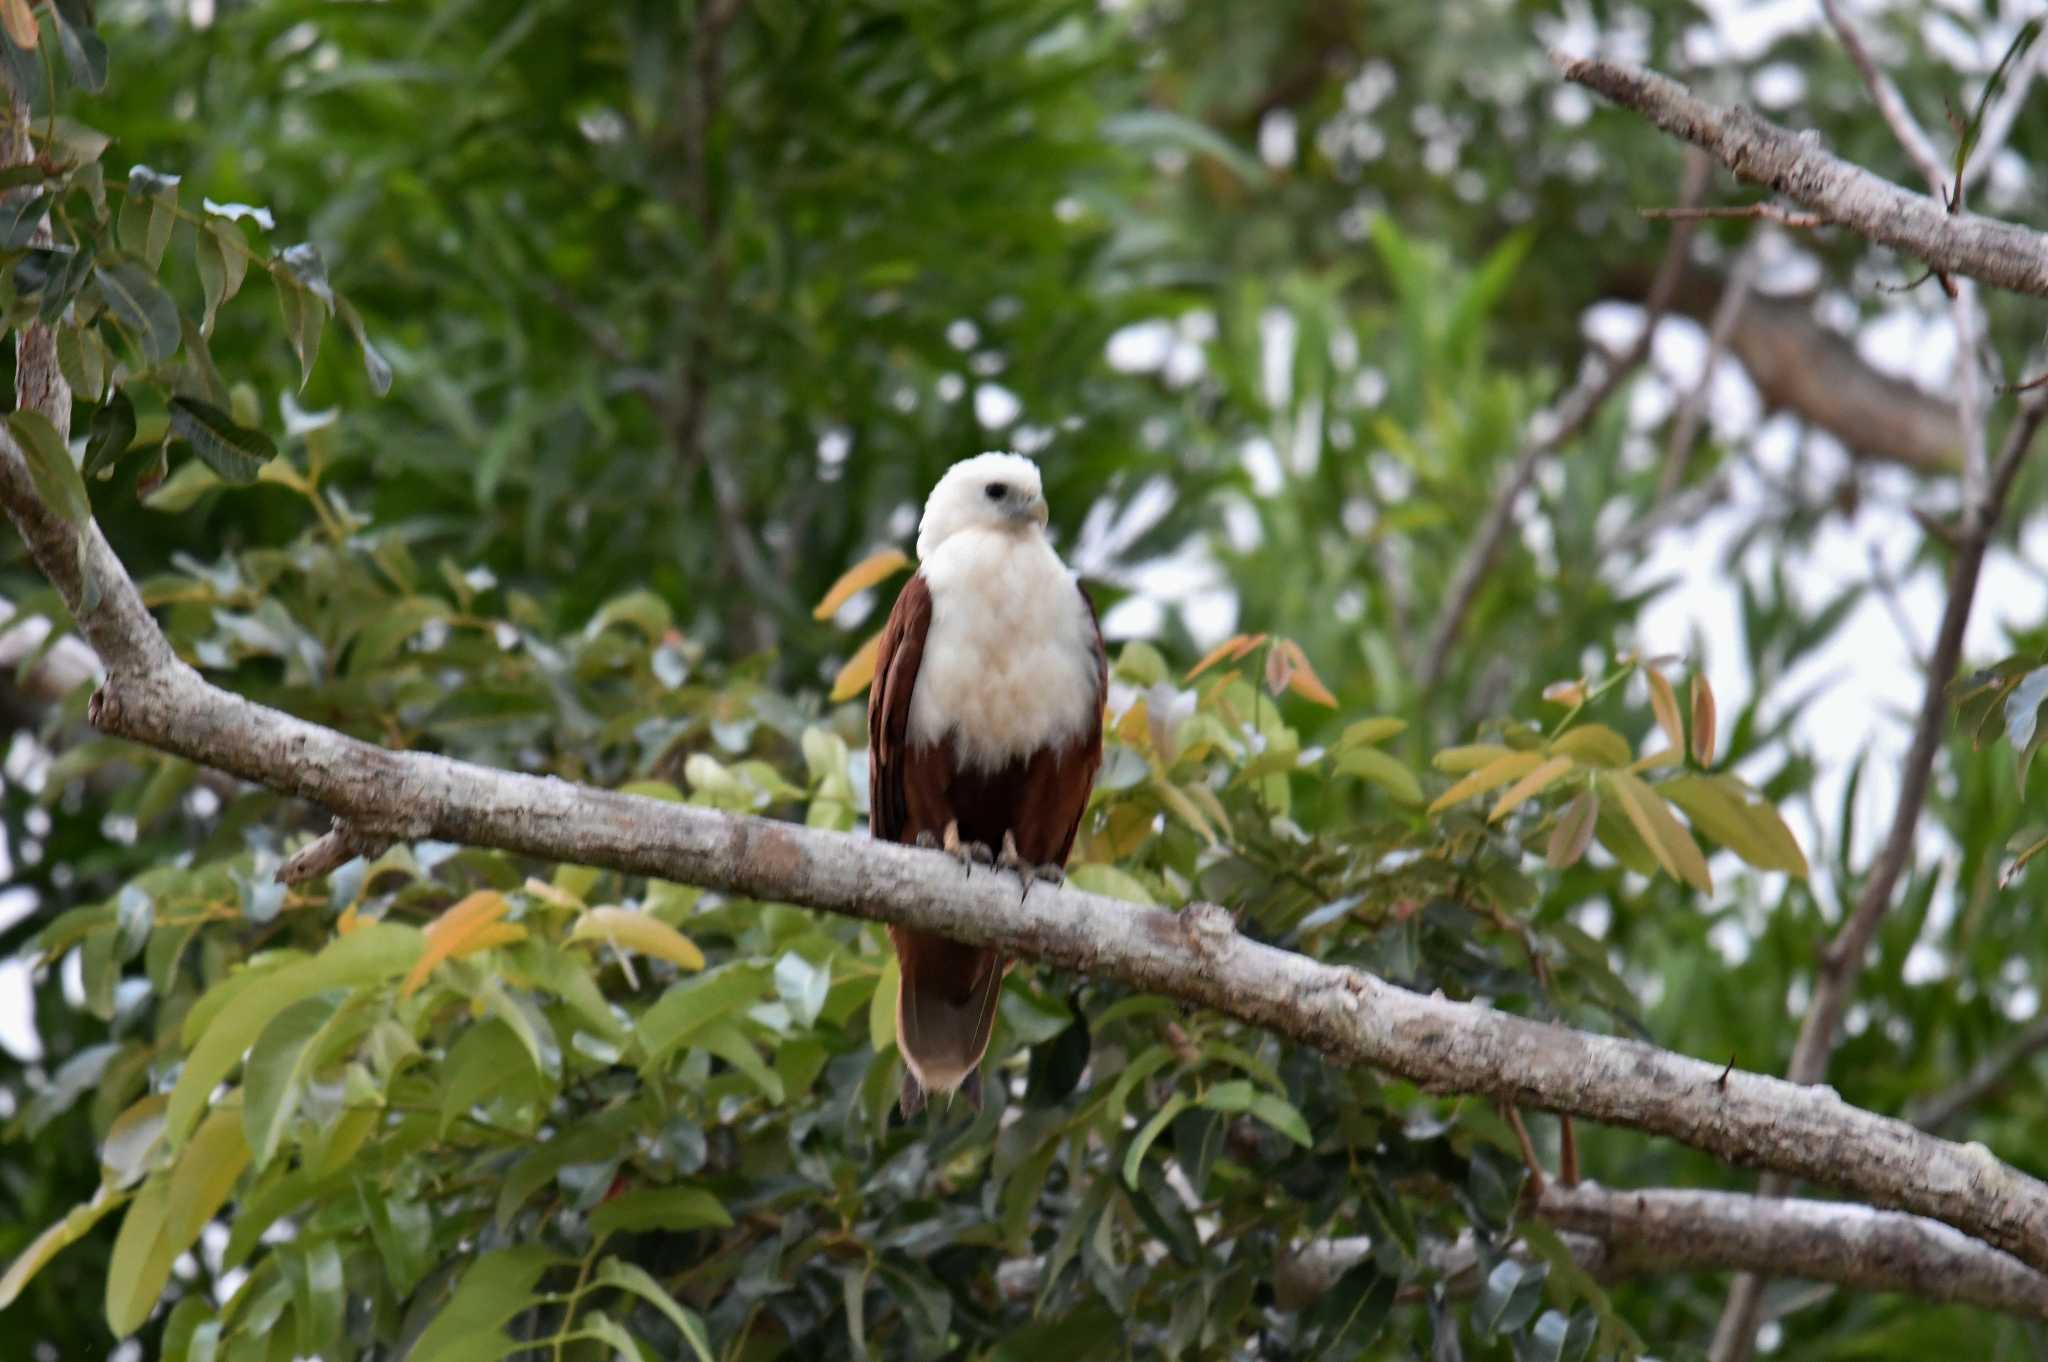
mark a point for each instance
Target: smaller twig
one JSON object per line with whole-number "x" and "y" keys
{"x": 1768, "y": 212}
{"x": 1567, "y": 1152}
{"x": 1537, "y": 1180}
{"x": 330, "y": 851}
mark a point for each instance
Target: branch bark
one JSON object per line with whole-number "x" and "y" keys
{"x": 1197, "y": 956}
{"x": 1796, "y": 165}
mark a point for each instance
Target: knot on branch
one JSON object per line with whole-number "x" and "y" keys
{"x": 1209, "y": 926}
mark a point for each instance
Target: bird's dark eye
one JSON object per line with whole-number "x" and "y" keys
{"x": 996, "y": 491}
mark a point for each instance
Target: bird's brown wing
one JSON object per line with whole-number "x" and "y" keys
{"x": 897, "y": 660}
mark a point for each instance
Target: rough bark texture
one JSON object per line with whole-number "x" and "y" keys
{"x": 1799, "y": 167}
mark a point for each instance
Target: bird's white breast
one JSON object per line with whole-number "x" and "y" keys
{"x": 1009, "y": 663}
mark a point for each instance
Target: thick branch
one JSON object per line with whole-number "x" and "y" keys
{"x": 1195, "y": 956}
{"x": 1796, "y": 166}
{"x": 1670, "y": 1230}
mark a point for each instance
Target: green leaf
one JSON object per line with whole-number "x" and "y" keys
{"x": 56, "y": 478}
{"x": 1667, "y": 840}
{"x": 305, "y": 313}
{"x": 625, "y": 1276}
{"x": 167, "y": 1215}
{"x": 2021, "y": 42}
{"x": 1510, "y": 1297}
{"x": 22, "y": 219}
{"x": 279, "y": 1064}
{"x": 141, "y": 307}
{"x": 1153, "y": 129}
{"x": 1134, "y": 1157}
{"x": 233, "y": 452}
{"x": 182, "y": 1341}
{"x": 1734, "y": 815}
{"x": 882, "y": 1005}
{"x": 373, "y": 953}
{"x": 660, "y": 1208}
{"x": 1097, "y": 878}
{"x": 46, "y": 1245}
{"x": 318, "y": 1295}
{"x": 403, "y": 1232}
{"x": 696, "y": 1003}
{"x": 85, "y": 52}
{"x": 470, "y": 1328}
{"x": 604, "y": 1329}
{"x": 375, "y": 365}
{"x": 1382, "y": 770}
{"x": 211, "y": 259}
{"x": 82, "y": 362}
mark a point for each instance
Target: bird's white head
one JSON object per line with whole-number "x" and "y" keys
{"x": 988, "y": 491}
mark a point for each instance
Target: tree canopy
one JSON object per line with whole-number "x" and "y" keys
{"x": 553, "y": 388}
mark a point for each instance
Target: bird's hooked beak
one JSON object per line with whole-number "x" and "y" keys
{"x": 1032, "y": 510}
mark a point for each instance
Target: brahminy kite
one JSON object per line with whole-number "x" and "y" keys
{"x": 984, "y": 737}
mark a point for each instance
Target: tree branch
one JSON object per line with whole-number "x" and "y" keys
{"x": 1196, "y": 956}
{"x": 1796, "y": 166}
{"x": 1934, "y": 1112}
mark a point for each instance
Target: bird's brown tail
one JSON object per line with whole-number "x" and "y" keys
{"x": 945, "y": 1012}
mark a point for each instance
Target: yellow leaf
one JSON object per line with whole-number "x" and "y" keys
{"x": 1528, "y": 787}
{"x": 1302, "y": 678}
{"x": 20, "y": 24}
{"x": 1702, "y": 720}
{"x": 457, "y": 932}
{"x": 1133, "y": 730}
{"x": 1594, "y": 744}
{"x": 1666, "y": 837}
{"x": 647, "y": 935}
{"x": 859, "y": 670}
{"x": 1665, "y": 705}
{"x": 876, "y": 567}
{"x": 1491, "y": 776}
{"x": 1234, "y": 647}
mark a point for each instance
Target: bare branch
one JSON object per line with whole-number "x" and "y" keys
{"x": 1685, "y": 423}
{"x": 1796, "y": 166}
{"x": 1763, "y": 212}
{"x": 1891, "y": 105}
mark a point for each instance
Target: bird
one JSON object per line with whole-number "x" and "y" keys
{"x": 984, "y": 738}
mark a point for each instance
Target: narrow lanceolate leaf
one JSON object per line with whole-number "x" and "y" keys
{"x": 49, "y": 463}
{"x": 1301, "y": 677}
{"x": 1458, "y": 760}
{"x": 141, "y": 307}
{"x": 279, "y": 1065}
{"x": 235, "y": 452}
{"x": 661, "y": 1208}
{"x": 167, "y": 1215}
{"x": 858, "y": 672}
{"x": 640, "y": 932}
{"x": 111, "y": 433}
{"x": 46, "y": 1245}
{"x": 1528, "y": 787}
{"x": 1234, "y": 648}
{"x": 617, "y": 1272}
{"x": 213, "y": 275}
{"x": 85, "y": 52}
{"x": 875, "y": 568}
{"x": 1574, "y": 830}
{"x": 80, "y": 360}
{"x": 218, "y": 1035}
{"x": 304, "y": 314}
{"x": 375, "y": 366}
{"x": 1665, "y": 836}
{"x": 1702, "y": 720}
{"x": 1734, "y": 815}
{"x": 1491, "y": 776}
{"x": 462, "y": 929}
{"x": 496, "y": 1287}
{"x": 1665, "y": 705}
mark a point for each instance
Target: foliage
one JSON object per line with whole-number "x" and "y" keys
{"x": 681, "y": 310}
